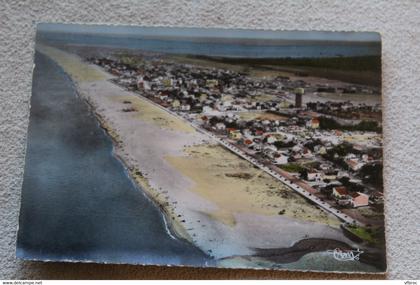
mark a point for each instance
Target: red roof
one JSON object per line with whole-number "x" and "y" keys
{"x": 342, "y": 190}
{"x": 355, "y": 195}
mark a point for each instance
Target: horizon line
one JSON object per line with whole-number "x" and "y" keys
{"x": 211, "y": 33}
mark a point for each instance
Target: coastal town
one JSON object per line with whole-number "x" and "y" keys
{"x": 205, "y": 148}
{"x": 329, "y": 151}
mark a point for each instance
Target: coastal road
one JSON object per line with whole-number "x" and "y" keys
{"x": 289, "y": 182}
{"x": 283, "y": 178}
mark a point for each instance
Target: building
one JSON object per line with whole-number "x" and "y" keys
{"x": 220, "y": 127}
{"x": 269, "y": 148}
{"x": 163, "y": 97}
{"x": 320, "y": 149}
{"x": 307, "y": 153}
{"x": 259, "y": 133}
{"x": 281, "y": 159}
{"x": 248, "y": 143}
{"x": 168, "y": 82}
{"x": 298, "y": 97}
{"x": 359, "y": 200}
{"x": 185, "y": 107}
{"x": 315, "y": 123}
{"x": 235, "y": 134}
{"x": 176, "y": 104}
{"x": 143, "y": 84}
{"x": 298, "y": 100}
{"x": 340, "y": 193}
{"x": 207, "y": 110}
{"x": 354, "y": 163}
{"x": 314, "y": 176}
{"x": 271, "y": 139}
{"x": 376, "y": 198}
{"x": 203, "y": 97}
{"x": 330, "y": 176}
{"x": 211, "y": 83}
{"x": 284, "y": 104}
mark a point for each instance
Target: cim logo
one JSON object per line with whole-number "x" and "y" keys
{"x": 346, "y": 254}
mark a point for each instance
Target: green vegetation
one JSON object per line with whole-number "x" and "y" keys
{"x": 282, "y": 144}
{"x": 370, "y": 235}
{"x": 351, "y": 187}
{"x": 311, "y": 144}
{"x": 342, "y": 149}
{"x": 130, "y": 60}
{"x": 338, "y": 152}
{"x": 359, "y": 70}
{"x": 357, "y": 63}
{"x": 331, "y": 124}
{"x": 292, "y": 167}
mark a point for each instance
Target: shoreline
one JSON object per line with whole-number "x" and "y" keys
{"x": 174, "y": 229}
{"x": 173, "y": 222}
{"x": 99, "y": 215}
{"x": 173, "y": 225}
{"x": 307, "y": 246}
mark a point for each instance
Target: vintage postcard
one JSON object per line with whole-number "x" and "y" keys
{"x": 205, "y": 148}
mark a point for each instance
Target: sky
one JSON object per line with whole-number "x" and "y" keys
{"x": 211, "y": 33}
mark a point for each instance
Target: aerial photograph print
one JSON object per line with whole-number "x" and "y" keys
{"x": 225, "y": 148}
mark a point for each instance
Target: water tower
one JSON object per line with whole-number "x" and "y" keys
{"x": 298, "y": 97}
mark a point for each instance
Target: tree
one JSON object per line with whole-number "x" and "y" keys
{"x": 304, "y": 174}
{"x": 311, "y": 144}
{"x": 344, "y": 180}
{"x": 343, "y": 149}
{"x": 351, "y": 187}
{"x": 372, "y": 174}
{"x": 282, "y": 144}
{"x": 331, "y": 124}
{"x": 215, "y": 120}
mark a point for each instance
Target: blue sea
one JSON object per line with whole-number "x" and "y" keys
{"x": 214, "y": 48}
{"x": 78, "y": 203}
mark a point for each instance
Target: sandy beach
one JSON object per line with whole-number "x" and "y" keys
{"x": 210, "y": 197}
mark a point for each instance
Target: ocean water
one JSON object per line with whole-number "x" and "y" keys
{"x": 215, "y": 48}
{"x": 77, "y": 201}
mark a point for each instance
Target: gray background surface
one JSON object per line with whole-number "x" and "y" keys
{"x": 397, "y": 21}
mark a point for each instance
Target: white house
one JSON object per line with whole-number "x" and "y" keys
{"x": 307, "y": 153}
{"x": 281, "y": 159}
{"x": 270, "y": 148}
{"x": 297, "y": 148}
{"x": 271, "y": 139}
{"x": 185, "y": 107}
{"x": 354, "y": 163}
{"x": 314, "y": 176}
{"x": 207, "y": 109}
{"x": 220, "y": 127}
